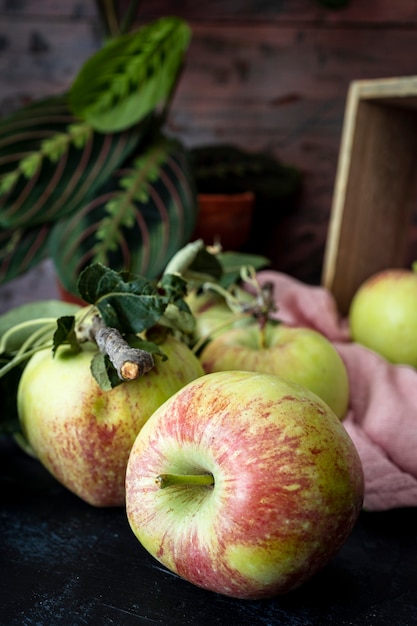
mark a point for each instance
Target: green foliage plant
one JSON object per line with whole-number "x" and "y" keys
{"x": 88, "y": 176}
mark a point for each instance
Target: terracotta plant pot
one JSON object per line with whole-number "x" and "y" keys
{"x": 225, "y": 217}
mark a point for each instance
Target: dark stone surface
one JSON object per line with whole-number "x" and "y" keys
{"x": 65, "y": 562}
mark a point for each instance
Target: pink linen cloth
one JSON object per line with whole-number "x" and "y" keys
{"x": 382, "y": 414}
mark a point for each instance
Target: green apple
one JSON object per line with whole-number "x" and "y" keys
{"x": 82, "y": 434}
{"x": 299, "y": 354}
{"x": 244, "y": 484}
{"x": 213, "y": 314}
{"x": 383, "y": 315}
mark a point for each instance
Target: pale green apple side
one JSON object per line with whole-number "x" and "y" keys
{"x": 383, "y": 316}
{"x": 299, "y": 354}
{"x": 213, "y": 315}
{"x": 82, "y": 434}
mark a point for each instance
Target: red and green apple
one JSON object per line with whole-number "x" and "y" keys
{"x": 299, "y": 354}
{"x": 82, "y": 434}
{"x": 243, "y": 484}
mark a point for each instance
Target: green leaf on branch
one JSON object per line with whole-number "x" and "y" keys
{"x": 175, "y": 287}
{"x": 232, "y": 263}
{"x": 65, "y": 334}
{"x": 125, "y": 301}
{"x": 195, "y": 263}
{"x": 104, "y": 372}
{"x": 97, "y": 281}
{"x": 131, "y": 312}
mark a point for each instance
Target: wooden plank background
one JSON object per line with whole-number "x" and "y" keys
{"x": 263, "y": 75}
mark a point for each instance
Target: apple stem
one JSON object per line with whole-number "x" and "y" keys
{"x": 168, "y": 480}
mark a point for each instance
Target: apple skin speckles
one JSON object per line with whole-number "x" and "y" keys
{"x": 288, "y": 484}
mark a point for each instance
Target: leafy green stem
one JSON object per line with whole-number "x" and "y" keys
{"x": 39, "y": 339}
{"x": 20, "y": 359}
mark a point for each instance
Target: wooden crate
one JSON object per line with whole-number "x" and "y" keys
{"x": 375, "y": 191}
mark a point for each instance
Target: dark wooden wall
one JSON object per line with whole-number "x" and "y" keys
{"x": 261, "y": 74}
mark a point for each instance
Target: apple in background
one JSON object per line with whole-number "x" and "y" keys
{"x": 82, "y": 434}
{"x": 244, "y": 484}
{"x": 299, "y": 354}
{"x": 383, "y": 315}
{"x": 212, "y": 313}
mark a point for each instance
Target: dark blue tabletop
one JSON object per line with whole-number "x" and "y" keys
{"x": 65, "y": 562}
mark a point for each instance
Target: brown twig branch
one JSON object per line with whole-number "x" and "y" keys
{"x": 130, "y": 363}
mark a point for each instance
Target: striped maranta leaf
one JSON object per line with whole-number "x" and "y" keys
{"x": 67, "y": 179}
{"x": 50, "y": 163}
{"x": 144, "y": 214}
{"x": 22, "y": 249}
{"x": 131, "y": 75}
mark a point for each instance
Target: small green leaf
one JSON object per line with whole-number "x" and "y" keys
{"x": 7, "y": 181}
{"x": 232, "y": 263}
{"x": 30, "y": 164}
{"x": 104, "y": 373}
{"x": 173, "y": 286}
{"x": 80, "y": 134}
{"x": 56, "y": 146}
{"x": 206, "y": 263}
{"x": 179, "y": 318}
{"x": 97, "y": 281}
{"x": 130, "y": 312}
{"x": 65, "y": 334}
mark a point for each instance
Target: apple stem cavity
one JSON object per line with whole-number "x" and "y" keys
{"x": 192, "y": 480}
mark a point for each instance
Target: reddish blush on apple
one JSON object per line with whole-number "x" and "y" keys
{"x": 82, "y": 434}
{"x": 243, "y": 484}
